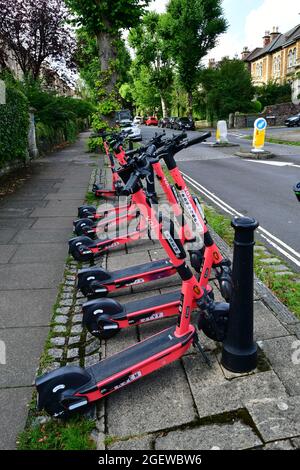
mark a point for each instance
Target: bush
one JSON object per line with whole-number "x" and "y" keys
{"x": 58, "y": 119}
{"x": 274, "y": 93}
{"x": 14, "y": 126}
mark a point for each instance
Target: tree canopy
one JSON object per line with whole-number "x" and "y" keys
{"x": 153, "y": 52}
{"x": 107, "y": 15}
{"x": 34, "y": 31}
{"x": 191, "y": 30}
{"x": 227, "y": 88}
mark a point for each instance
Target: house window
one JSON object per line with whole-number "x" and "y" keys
{"x": 277, "y": 65}
{"x": 259, "y": 70}
{"x": 292, "y": 57}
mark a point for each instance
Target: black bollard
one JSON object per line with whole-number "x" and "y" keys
{"x": 297, "y": 191}
{"x": 239, "y": 354}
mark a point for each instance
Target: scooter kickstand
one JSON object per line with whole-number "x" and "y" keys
{"x": 197, "y": 344}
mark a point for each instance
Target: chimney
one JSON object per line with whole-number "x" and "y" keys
{"x": 266, "y": 38}
{"x": 275, "y": 33}
{"x": 245, "y": 53}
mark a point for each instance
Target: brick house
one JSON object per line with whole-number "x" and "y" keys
{"x": 277, "y": 60}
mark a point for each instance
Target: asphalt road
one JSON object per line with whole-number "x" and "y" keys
{"x": 258, "y": 189}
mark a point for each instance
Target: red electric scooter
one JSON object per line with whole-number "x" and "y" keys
{"x": 97, "y": 282}
{"x": 84, "y": 249}
{"x": 95, "y": 223}
{"x": 72, "y": 388}
{"x": 104, "y": 318}
{"x": 120, "y": 155}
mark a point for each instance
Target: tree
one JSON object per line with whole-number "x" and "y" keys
{"x": 273, "y": 93}
{"x": 227, "y": 89}
{"x": 35, "y": 31}
{"x": 87, "y": 60}
{"x": 192, "y": 29}
{"x": 145, "y": 94}
{"x": 153, "y": 52}
{"x": 104, "y": 19}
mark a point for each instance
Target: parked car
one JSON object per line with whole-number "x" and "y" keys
{"x": 293, "y": 121}
{"x": 125, "y": 123}
{"x": 172, "y": 119}
{"x": 184, "y": 123}
{"x": 151, "y": 121}
{"x": 123, "y": 115}
{"x": 138, "y": 120}
{"x": 135, "y": 134}
{"x": 163, "y": 122}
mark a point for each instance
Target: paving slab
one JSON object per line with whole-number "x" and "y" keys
{"x": 40, "y": 252}
{"x": 166, "y": 387}
{"x": 119, "y": 262}
{"x": 53, "y": 223}
{"x": 14, "y": 223}
{"x": 236, "y": 436}
{"x": 6, "y": 234}
{"x": 30, "y": 276}
{"x": 20, "y": 204}
{"x": 12, "y": 418}
{"x": 279, "y": 445}
{"x": 276, "y": 419}
{"x": 143, "y": 443}
{"x": 58, "y": 209}
{"x": 26, "y": 308}
{"x": 23, "y": 351}
{"x": 266, "y": 325}
{"x": 283, "y": 354}
{"x": 6, "y": 253}
{"x": 214, "y": 395}
{"x": 42, "y": 236}
{"x": 65, "y": 196}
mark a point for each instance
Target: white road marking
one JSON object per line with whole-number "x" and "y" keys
{"x": 280, "y": 164}
{"x": 281, "y": 246}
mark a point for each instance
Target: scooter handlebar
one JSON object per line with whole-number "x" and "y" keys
{"x": 131, "y": 183}
{"x": 199, "y": 139}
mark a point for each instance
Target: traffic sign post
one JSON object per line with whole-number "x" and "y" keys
{"x": 259, "y": 135}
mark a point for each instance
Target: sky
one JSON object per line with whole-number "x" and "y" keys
{"x": 248, "y": 20}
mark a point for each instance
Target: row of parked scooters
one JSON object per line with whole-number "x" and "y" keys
{"x": 134, "y": 174}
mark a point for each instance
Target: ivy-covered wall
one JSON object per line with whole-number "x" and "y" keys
{"x": 14, "y": 126}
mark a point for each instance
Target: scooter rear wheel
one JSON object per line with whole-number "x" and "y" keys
{"x": 100, "y": 327}
{"x": 83, "y": 226}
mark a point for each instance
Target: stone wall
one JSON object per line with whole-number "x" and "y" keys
{"x": 275, "y": 116}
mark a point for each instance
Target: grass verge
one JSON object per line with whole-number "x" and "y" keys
{"x": 286, "y": 287}
{"x": 74, "y": 434}
{"x": 272, "y": 140}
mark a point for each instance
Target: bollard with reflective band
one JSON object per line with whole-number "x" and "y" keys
{"x": 222, "y": 133}
{"x": 259, "y": 135}
{"x": 239, "y": 354}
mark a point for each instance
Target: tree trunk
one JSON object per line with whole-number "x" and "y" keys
{"x": 190, "y": 105}
{"x": 107, "y": 55}
{"x": 164, "y": 106}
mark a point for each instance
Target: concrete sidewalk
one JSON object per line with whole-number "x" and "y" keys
{"x": 187, "y": 405}
{"x": 35, "y": 224}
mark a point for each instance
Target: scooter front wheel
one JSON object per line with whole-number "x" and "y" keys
{"x": 56, "y": 391}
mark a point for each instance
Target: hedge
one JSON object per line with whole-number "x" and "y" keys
{"x": 14, "y": 127}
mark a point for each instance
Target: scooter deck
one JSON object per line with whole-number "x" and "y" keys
{"x": 140, "y": 269}
{"x": 152, "y": 302}
{"x": 137, "y": 354}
